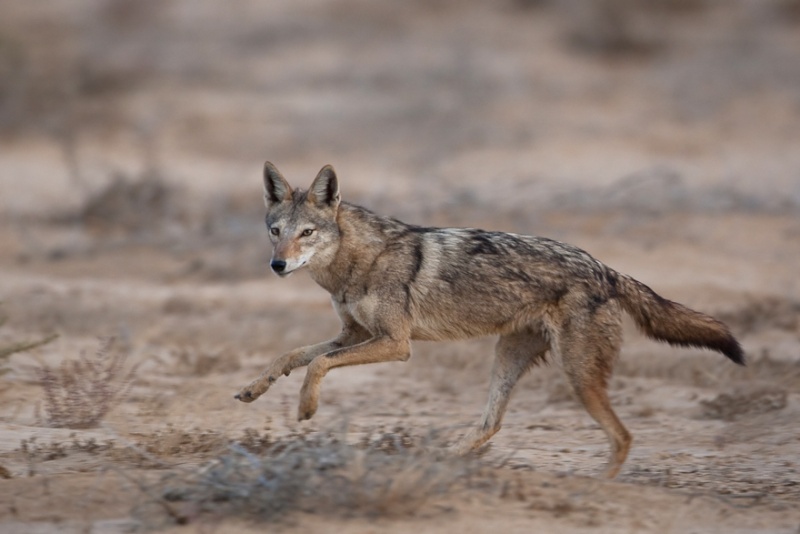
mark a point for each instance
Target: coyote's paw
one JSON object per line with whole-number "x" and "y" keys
{"x": 245, "y": 395}
{"x": 307, "y": 409}
{"x": 309, "y": 393}
{"x": 309, "y": 401}
{"x": 254, "y": 389}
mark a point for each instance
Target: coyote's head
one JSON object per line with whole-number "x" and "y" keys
{"x": 302, "y": 224}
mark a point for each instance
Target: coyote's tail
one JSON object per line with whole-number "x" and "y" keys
{"x": 674, "y": 323}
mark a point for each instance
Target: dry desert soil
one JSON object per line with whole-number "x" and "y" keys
{"x": 661, "y": 137}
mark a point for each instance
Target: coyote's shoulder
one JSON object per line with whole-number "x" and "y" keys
{"x": 392, "y": 282}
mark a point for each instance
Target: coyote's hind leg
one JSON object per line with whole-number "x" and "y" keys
{"x": 514, "y": 355}
{"x": 588, "y": 345}
{"x": 594, "y": 397}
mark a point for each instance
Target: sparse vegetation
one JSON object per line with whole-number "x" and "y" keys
{"x": 79, "y": 393}
{"x": 322, "y": 474}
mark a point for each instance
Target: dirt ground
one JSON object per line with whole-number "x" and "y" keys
{"x": 661, "y": 137}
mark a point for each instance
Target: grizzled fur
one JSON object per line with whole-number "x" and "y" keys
{"x": 392, "y": 282}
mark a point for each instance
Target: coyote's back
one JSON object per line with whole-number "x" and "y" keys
{"x": 392, "y": 282}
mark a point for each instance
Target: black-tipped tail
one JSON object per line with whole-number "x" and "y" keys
{"x": 674, "y": 323}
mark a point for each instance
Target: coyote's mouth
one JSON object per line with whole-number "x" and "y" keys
{"x": 285, "y": 273}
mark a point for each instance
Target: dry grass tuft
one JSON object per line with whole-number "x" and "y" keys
{"x": 317, "y": 473}
{"x": 80, "y": 393}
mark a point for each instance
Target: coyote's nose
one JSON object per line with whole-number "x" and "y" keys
{"x": 278, "y": 265}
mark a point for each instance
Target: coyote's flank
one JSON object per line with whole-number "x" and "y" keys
{"x": 392, "y": 282}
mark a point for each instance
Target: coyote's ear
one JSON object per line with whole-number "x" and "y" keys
{"x": 276, "y": 188}
{"x": 325, "y": 189}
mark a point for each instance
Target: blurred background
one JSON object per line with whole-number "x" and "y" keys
{"x": 128, "y": 124}
{"x": 155, "y": 116}
{"x": 662, "y": 136}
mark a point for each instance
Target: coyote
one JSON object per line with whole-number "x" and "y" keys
{"x": 392, "y": 282}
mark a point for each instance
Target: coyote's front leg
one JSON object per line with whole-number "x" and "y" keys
{"x": 283, "y": 365}
{"x": 375, "y": 350}
{"x": 351, "y": 334}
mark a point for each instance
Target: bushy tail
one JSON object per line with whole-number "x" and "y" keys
{"x": 664, "y": 320}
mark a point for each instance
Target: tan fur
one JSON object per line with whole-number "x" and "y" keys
{"x": 391, "y": 282}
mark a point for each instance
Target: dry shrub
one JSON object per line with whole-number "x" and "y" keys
{"x": 80, "y": 393}
{"x": 320, "y": 474}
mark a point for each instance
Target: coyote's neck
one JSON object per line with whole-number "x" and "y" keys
{"x": 364, "y": 235}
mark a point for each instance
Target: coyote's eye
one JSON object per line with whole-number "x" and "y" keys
{"x": 275, "y": 231}
{"x": 307, "y": 232}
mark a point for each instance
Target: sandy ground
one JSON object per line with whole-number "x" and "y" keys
{"x": 674, "y": 161}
